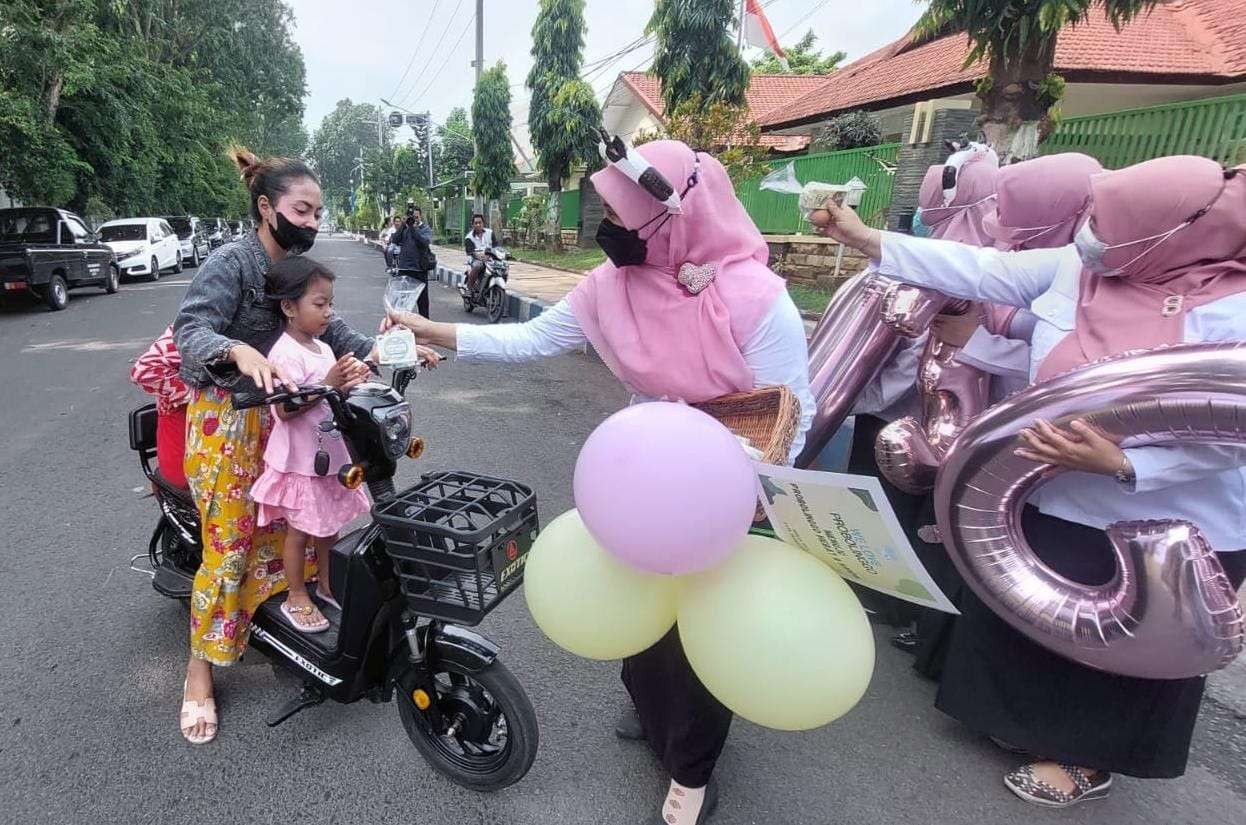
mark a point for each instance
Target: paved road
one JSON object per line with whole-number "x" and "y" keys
{"x": 92, "y": 657}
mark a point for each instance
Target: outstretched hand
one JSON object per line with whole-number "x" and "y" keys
{"x": 844, "y": 225}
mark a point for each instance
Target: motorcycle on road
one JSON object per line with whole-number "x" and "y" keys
{"x": 490, "y": 291}
{"x": 436, "y": 557}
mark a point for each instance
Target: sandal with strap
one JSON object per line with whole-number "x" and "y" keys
{"x": 305, "y": 610}
{"x": 1026, "y": 785}
{"x": 192, "y": 714}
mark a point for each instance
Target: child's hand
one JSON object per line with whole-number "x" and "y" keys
{"x": 1081, "y": 447}
{"x": 348, "y": 373}
{"x": 429, "y": 356}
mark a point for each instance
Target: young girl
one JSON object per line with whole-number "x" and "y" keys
{"x": 313, "y": 505}
{"x": 155, "y": 372}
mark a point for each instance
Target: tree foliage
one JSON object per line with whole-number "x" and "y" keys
{"x": 493, "y": 163}
{"x": 727, "y": 132}
{"x": 563, "y": 116}
{"x": 696, "y": 53}
{"x": 347, "y": 134}
{"x": 128, "y": 105}
{"x": 802, "y": 58}
{"x": 1017, "y": 38}
{"x": 851, "y": 130}
{"x": 453, "y": 151}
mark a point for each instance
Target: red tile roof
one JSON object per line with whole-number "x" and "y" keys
{"x": 1190, "y": 40}
{"x": 766, "y": 92}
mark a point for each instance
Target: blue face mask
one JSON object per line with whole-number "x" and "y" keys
{"x": 919, "y": 229}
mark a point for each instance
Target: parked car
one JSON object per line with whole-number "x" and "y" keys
{"x": 237, "y": 229}
{"x": 218, "y": 232}
{"x": 48, "y": 252}
{"x": 193, "y": 237}
{"x": 144, "y": 246}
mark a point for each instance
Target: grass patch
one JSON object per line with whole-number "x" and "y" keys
{"x": 808, "y": 298}
{"x": 578, "y": 260}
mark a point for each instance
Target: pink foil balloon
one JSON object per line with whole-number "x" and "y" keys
{"x": 665, "y": 488}
{"x": 1169, "y": 613}
{"x": 852, "y": 342}
{"x": 952, "y": 394}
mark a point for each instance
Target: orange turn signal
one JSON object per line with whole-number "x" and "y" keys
{"x": 416, "y": 448}
{"x": 421, "y": 699}
{"x": 351, "y": 476}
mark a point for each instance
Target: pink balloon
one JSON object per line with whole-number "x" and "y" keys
{"x": 1170, "y": 612}
{"x": 665, "y": 488}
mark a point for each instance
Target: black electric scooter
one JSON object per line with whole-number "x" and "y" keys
{"x": 449, "y": 549}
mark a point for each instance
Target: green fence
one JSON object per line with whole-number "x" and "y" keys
{"x": 458, "y": 211}
{"x": 1214, "y": 128}
{"x": 776, "y": 213}
{"x": 513, "y": 207}
{"x": 570, "y": 211}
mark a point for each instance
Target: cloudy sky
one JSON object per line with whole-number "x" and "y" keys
{"x": 361, "y": 50}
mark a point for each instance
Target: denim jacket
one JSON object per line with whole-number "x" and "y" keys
{"x": 226, "y": 305}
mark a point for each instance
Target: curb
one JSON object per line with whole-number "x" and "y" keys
{"x": 519, "y": 307}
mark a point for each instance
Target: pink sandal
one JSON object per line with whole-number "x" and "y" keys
{"x": 195, "y": 712}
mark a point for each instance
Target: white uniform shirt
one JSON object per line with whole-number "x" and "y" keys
{"x": 777, "y": 352}
{"x": 1204, "y": 484}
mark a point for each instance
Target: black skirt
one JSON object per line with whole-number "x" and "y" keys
{"x": 685, "y": 725}
{"x": 908, "y": 509}
{"x": 1000, "y": 683}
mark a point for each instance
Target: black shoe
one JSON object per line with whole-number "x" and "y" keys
{"x": 628, "y": 727}
{"x": 906, "y": 640}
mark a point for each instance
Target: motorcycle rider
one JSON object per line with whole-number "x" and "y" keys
{"x": 476, "y": 244}
{"x": 415, "y": 254}
{"x": 387, "y": 244}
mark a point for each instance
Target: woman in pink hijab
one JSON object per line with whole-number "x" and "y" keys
{"x": 1161, "y": 260}
{"x": 686, "y": 309}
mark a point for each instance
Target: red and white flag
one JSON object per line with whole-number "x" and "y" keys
{"x": 757, "y": 32}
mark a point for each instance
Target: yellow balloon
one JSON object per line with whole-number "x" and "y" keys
{"x": 777, "y": 636}
{"x": 588, "y": 602}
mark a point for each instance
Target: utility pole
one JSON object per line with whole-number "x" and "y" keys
{"x": 428, "y": 125}
{"x": 480, "y": 38}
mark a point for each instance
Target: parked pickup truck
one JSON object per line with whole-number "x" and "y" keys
{"x": 48, "y": 252}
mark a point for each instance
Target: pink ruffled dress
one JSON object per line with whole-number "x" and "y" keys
{"x": 289, "y": 489}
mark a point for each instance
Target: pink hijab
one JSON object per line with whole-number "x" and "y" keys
{"x": 1041, "y": 202}
{"x": 960, "y": 217}
{"x": 963, "y": 220}
{"x": 655, "y": 335}
{"x": 1145, "y": 305}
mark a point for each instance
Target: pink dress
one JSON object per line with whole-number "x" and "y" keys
{"x": 289, "y": 488}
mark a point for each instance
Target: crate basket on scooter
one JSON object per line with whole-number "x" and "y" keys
{"x": 459, "y": 542}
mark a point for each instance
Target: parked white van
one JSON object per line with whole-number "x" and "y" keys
{"x": 144, "y": 246}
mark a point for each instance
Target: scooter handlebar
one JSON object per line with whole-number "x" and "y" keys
{"x": 258, "y": 398}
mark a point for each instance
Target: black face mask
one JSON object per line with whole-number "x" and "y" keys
{"x": 624, "y": 247}
{"x": 293, "y": 239}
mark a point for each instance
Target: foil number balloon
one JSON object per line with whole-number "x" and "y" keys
{"x": 1169, "y": 612}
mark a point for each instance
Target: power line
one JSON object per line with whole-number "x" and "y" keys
{"x": 807, "y": 15}
{"x": 433, "y": 53}
{"x": 443, "y": 65}
{"x": 416, "y": 49}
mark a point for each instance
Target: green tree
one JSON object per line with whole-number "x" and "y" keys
{"x": 696, "y": 52}
{"x": 128, "y": 105}
{"x": 493, "y": 164}
{"x": 1017, "y": 38}
{"x": 453, "y": 150}
{"x": 802, "y": 58}
{"x": 727, "y": 132}
{"x": 339, "y": 143}
{"x": 563, "y": 114}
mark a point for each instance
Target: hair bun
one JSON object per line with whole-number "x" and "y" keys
{"x": 246, "y": 161}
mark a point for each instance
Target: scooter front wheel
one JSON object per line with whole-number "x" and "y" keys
{"x": 488, "y": 737}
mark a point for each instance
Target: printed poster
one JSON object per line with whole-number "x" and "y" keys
{"x": 846, "y": 522}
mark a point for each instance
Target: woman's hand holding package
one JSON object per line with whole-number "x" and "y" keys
{"x": 844, "y": 225}
{"x": 1085, "y": 448}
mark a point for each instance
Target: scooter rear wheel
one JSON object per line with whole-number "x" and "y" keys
{"x": 495, "y": 734}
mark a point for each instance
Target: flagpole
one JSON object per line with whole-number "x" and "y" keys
{"x": 739, "y": 35}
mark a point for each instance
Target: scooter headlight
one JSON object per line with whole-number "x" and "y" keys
{"x": 395, "y": 424}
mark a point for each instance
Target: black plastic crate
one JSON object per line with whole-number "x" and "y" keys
{"x": 459, "y": 542}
